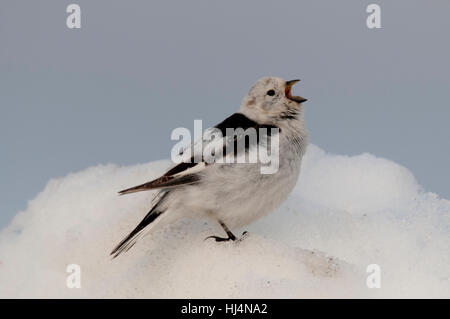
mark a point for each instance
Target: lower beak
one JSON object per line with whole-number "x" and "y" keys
{"x": 288, "y": 93}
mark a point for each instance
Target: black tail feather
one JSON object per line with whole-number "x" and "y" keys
{"x": 148, "y": 219}
{"x": 154, "y": 213}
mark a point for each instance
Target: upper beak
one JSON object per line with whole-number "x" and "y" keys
{"x": 297, "y": 99}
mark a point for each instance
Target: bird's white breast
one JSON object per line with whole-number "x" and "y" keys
{"x": 238, "y": 194}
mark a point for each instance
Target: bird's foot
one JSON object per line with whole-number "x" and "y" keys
{"x": 244, "y": 235}
{"x": 220, "y": 239}
{"x": 230, "y": 237}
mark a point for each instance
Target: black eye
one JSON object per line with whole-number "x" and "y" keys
{"x": 271, "y": 92}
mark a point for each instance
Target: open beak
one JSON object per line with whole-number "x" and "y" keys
{"x": 288, "y": 93}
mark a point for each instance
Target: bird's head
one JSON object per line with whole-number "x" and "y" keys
{"x": 271, "y": 99}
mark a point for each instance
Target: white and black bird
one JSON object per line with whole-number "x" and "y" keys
{"x": 233, "y": 194}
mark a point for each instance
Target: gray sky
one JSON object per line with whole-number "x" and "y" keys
{"x": 114, "y": 90}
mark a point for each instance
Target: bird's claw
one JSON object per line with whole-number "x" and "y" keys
{"x": 230, "y": 237}
{"x": 220, "y": 239}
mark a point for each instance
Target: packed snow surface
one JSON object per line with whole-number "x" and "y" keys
{"x": 346, "y": 212}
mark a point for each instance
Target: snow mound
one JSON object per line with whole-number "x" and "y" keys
{"x": 344, "y": 214}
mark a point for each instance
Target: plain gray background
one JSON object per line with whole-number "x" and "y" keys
{"x": 114, "y": 90}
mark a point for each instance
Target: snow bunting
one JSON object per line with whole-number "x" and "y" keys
{"x": 231, "y": 192}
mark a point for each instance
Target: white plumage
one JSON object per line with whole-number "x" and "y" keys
{"x": 234, "y": 194}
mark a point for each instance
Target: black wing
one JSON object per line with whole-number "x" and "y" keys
{"x": 187, "y": 172}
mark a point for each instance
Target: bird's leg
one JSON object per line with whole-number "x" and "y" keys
{"x": 227, "y": 230}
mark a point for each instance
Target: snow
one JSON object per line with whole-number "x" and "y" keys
{"x": 346, "y": 213}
